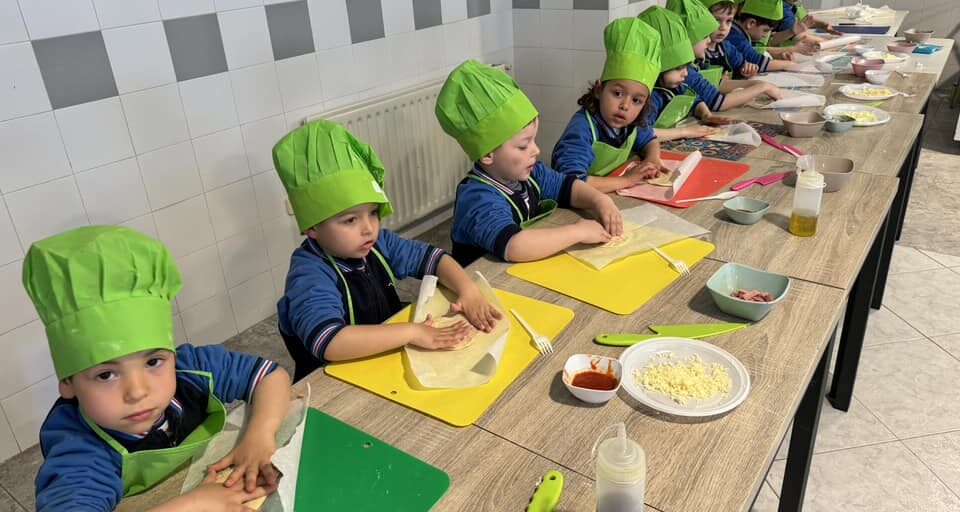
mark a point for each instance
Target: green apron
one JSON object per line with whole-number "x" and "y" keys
{"x": 761, "y": 45}
{"x": 677, "y": 109}
{"x": 545, "y": 206}
{"x": 606, "y": 158}
{"x": 144, "y": 469}
{"x": 346, "y": 286}
{"x": 713, "y": 74}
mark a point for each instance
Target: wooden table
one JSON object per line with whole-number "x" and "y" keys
{"x": 921, "y": 85}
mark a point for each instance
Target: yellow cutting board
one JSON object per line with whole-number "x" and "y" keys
{"x": 621, "y": 287}
{"x": 389, "y": 376}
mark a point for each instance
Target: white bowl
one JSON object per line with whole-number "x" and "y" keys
{"x": 578, "y": 363}
{"x": 878, "y": 76}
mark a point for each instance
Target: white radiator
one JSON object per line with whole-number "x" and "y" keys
{"x": 423, "y": 164}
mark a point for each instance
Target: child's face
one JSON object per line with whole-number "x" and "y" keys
{"x": 349, "y": 234}
{"x": 515, "y": 158}
{"x": 755, "y": 30}
{"x": 725, "y": 18}
{"x": 700, "y": 49}
{"x": 673, "y": 78}
{"x": 128, "y": 394}
{"x": 621, "y": 101}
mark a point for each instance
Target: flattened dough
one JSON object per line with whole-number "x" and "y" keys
{"x": 664, "y": 180}
{"x": 618, "y": 241}
{"x": 446, "y": 321}
{"x": 254, "y": 504}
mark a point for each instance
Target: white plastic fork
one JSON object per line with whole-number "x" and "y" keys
{"x": 542, "y": 342}
{"x": 677, "y": 265}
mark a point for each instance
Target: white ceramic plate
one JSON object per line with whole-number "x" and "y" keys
{"x": 887, "y": 57}
{"x": 882, "y": 116}
{"x": 860, "y": 92}
{"x": 637, "y": 356}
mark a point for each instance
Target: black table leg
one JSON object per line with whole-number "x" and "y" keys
{"x": 912, "y": 169}
{"x": 888, "y": 230}
{"x": 854, "y": 328}
{"x": 804, "y": 435}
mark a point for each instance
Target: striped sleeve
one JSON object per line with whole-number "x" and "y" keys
{"x": 431, "y": 260}
{"x": 235, "y": 374}
{"x": 260, "y": 371}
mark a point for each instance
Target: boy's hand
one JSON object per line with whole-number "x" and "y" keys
{"x": 788, "y": 55}
{"x": 749, "y": 69}
{"x": 591, "y": 232}
{"x": 715, "y": 120}
{"x": 432, "y": 338}
{"x": 473, "y": 305}
{"x": 250, "y": 459}
{"x": 214, "y": 497}
{"x": 609, "y": 216}
{"x": 696, "y": 131}
{"x": 807, "y": 48}
{"x": 773, "y": 91}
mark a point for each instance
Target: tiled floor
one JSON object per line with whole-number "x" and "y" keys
{"x": 898, "y": 448}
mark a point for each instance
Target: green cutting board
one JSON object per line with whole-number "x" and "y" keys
{"x": 342, "y": 468}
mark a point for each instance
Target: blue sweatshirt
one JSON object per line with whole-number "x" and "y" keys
{"x": 727, "y": 56}
{"x": 741, "y": 41}
{"x": 483, "y": 218}
{"x": 80, "y": 472}
{"x": 706, "y": 92}
{"x": 312, "y": 306}
{"x": 573, "y": 153}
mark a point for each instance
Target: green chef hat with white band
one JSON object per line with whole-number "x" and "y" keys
{"x": 102, "y": 292}
{"x": 675, "y": 47}
{"x": 710, "y": 3}
{"x": 482, "y": 107}
{"x": 633, "y": 52}
{"x": 768, "y": 9}
{"x": 697, "y": 19}
{"x": 326, "y": 170}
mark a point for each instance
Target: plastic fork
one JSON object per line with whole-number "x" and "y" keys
{"x": 677, "y": 265}
{"x": 542, "y": 342}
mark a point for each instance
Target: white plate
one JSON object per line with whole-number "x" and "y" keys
{"x": 844, "y": 108}
{"x": 856, "y": 91}
{"x": 637, "y": 356}
{"x": 896, "y": 58}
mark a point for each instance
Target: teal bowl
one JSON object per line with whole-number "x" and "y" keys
{"x": 745, "y": 210}
{"x": 733, "y": 276}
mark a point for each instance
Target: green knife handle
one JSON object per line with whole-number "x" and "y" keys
{"x": 623, "y": 339}
{"x": 547, "y": 495}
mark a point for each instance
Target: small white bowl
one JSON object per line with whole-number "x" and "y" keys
{"x": 578, "y": 363}
{"x": 878, "y": 76}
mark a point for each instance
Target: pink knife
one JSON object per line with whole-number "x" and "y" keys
{"x": 762, "y": 180}
{"x": 786, "y": 148}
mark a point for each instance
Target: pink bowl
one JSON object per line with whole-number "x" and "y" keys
{"x": 860, "y": 66}
{"x": 901, "y": 46}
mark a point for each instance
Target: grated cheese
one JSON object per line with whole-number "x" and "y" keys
{"x": 683, "y": 380}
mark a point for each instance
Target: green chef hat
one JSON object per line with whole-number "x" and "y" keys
{"x": 675, "y": 47}
{"x": 103, "y": 292}
{"x": 482, "y": 107}
{"x": 768, "y": 9}
{"x": 633, "y": 52}
{"x": 327, "y": 170}
{"x": 698, "y": 20}
{"x": 710, "y": 3}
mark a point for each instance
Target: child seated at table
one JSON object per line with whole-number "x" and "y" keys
{"x": 134, "y": 409}
{"x": 707, "y": 81}
{"x": 508, "y": 189}
{"x": 793, "y": 29}
{"x": 342, "y": 279}
{"x": 609, "y": 127}
{"x": 731, "y": 48}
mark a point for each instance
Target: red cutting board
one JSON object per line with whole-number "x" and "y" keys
{"x": 707, "y": 179}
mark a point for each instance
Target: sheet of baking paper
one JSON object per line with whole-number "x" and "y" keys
{"x": 739, "y": 133}
{"x": 837, "y": 42}
{"x": 787, "y": 79}
{"x": 644, "y": 227}
{"x": 791, "y": 99}
{"x": 470, "y": 366}
{"x": 287, "y": 457}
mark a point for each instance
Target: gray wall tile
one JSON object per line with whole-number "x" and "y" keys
{"x": 290, "y": 30}
{"x": 597, "y": 5}
{"x": 196, "y": 46}
{"x": 526, "y": 4}
{"x": 477, "y": 8}
{"x": 75, "y": 69}
{"x": 426, "y": 13}
{"x": 366, "y": 20}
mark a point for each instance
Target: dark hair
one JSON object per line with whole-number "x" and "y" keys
{"x": 591, "y": 103}
{"x": 743, "y": 17}
{"x": 723, "y": 7}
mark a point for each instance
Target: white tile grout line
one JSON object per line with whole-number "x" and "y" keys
{"x": 934, "y": 473}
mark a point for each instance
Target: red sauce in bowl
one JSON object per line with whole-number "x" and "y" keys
{"x": 592, "y": 379}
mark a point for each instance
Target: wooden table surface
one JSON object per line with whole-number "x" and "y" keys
{"x": 710, "y": 465}
{"x": 920, "y": 85}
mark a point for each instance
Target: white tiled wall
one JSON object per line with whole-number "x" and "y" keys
{"x": 187, "y": 162}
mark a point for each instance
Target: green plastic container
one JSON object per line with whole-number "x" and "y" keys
{"x": 733, "y": 276}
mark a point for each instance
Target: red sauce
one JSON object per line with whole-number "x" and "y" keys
{"x": 592, "y": 379}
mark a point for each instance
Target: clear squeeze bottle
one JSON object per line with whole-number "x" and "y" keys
{"x": 621, "y": 472}
{"x": 806, "y": 203}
